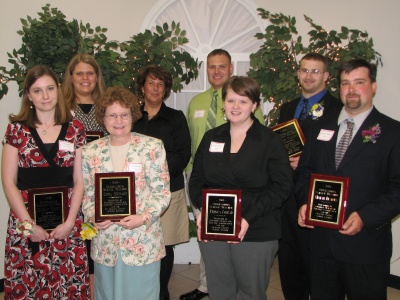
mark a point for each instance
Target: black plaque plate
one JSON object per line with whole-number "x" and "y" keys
{"x": 94, "y": 135}
{"x": 327, "y": 201}
{"x": 114, "y": 196}
{"x": 292, "y": 136}
{"x": 221, "y": 214}
{"x": 48, "y": 207}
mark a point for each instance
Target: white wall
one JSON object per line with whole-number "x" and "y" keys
{"x": 123, "y": 18}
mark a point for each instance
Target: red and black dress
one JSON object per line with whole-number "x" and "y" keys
{"x": 54, "y": 269}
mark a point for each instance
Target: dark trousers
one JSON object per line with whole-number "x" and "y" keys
{"x": 332, "y": 279}
{"x": 167, "y": 264}
{"x": 293, "y": 255}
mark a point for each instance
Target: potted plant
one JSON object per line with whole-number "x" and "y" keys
{"x": 52, "y": 40}
{"x": 274, "y": 66}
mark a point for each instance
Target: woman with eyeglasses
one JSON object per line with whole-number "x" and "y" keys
{"x": 170, "y": 126}
{"x": 127, "y": 252}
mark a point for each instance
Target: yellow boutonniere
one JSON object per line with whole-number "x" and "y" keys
{"x": 88, "y": 231}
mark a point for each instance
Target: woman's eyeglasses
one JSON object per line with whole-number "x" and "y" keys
{"x": 114, "y": 117}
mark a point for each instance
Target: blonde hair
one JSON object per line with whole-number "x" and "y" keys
{"x": 68, "y": 87}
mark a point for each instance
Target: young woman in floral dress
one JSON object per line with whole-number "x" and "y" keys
{"x": 42, "y": 148}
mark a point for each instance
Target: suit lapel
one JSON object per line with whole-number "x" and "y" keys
{"x": 331, "y": 144}
{"x": 289, "y": 111}
{"x": 357, "y": 143}
{"x": 293, "y": 107}
{"x": 132, "y": 155}
{"x": 106, "y": 158}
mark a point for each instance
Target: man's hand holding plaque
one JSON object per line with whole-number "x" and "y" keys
{"x": 292, "y": 136}
{"x": 221, "y": 215}
{"x": 327, "y": 200}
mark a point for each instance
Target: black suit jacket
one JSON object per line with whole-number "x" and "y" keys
{"x": 332, "y": 106}
{"x": 374, "y": 191}
{"x": 260, "y": 169}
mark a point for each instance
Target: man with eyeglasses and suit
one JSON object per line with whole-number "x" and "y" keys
{"x": 293, "y": 246}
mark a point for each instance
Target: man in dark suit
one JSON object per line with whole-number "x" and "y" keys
{"x": 356, "y": 259}
{"x": 293, "y": 246}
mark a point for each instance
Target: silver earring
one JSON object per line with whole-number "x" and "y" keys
{"x": 223, "y": 110}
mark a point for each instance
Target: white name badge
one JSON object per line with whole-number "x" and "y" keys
{"x": 325, "y": 135}
{"x": 199, "y": 114}
{"x": 65, "y": 146}
{"x": 217, "y": 147}
{"x": 135, "y": 167}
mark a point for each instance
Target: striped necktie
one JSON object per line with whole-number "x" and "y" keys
{"x": 212, "y": 112}
{"x": 344, "y": 142}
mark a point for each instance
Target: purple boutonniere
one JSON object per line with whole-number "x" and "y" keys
{"x": 371, "y": 134}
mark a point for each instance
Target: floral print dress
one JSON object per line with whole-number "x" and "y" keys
{"x": 54, "y": 269}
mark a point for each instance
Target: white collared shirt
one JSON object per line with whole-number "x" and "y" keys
{"x": 358, "y": 120}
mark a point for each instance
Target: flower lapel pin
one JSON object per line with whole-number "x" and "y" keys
{"x": 371, "y": 134}
{"x": 316, "y": 111}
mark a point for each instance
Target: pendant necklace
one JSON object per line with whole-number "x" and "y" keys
{"x": 44, "y": 131}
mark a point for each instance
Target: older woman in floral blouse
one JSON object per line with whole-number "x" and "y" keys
{"x": 127, "y": 253}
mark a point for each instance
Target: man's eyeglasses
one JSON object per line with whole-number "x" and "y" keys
{"x": 114, "y": 117}
{"x": 311, "y": 71}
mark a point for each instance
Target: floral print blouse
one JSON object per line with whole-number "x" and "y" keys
{"x": 143, "y": 245}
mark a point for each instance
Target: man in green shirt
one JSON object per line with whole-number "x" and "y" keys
{"x": 219, "y": 69}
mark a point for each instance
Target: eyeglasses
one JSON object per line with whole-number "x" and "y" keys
{"x": 114, "y": 117}
{"x": 312, "y": 71}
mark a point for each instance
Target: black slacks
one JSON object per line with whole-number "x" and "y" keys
{"x": 332, "y": 279}
{"x": 293, "y": 255}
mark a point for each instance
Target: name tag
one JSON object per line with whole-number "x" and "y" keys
{"x": 199, "y": 114}
{"x": 325, "y": 135}
{"x": 135, "y": 167}
{"x": 65, "y": 146}
{"x": 217, "y": 147}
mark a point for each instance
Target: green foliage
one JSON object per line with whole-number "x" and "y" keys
{"x": 192, "y": 224}
{"x": 275, "y": 64}
{"x": 192, "y": 229}
{"x": 161, "y": 48}
{"x": 44, "y": 41}
{"x": 52, "y": 40}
